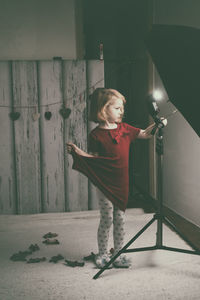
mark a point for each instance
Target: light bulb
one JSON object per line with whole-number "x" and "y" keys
{"x": 158, "y": 95}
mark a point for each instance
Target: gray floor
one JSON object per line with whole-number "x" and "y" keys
{"x": 153, "y": 275}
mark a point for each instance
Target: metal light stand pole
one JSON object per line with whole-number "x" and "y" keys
{"x": 158, "y": 216}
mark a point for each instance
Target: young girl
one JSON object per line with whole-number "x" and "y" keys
{"x": 107, "y": 166}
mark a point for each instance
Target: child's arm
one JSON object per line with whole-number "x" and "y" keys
{"x": 146, "y": 133}
{"x": 72, "y": 147}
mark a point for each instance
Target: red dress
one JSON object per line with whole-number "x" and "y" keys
{"x": 110, "y": 170}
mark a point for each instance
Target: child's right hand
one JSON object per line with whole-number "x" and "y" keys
{"x": 72, "y": 147}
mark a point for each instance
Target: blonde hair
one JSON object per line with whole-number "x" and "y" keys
{"x": 99, "y": 100}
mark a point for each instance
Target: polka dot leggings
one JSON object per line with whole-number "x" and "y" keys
{"x": 109, "y": 214}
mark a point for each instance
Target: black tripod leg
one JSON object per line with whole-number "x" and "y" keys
{"x": 124, "y": 248}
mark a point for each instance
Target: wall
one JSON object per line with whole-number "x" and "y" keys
{"x": 34, "y": 29}
{"x": 36, "y": 171}
{"x": 181, "y": 143}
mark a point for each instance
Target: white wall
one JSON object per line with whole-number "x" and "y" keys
{"x": 181, "y": 143}
{"x": 37, "y": 29}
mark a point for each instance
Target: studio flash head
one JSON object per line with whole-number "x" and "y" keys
{"x": 154, "y": 111}
{"x": 152, "y": 106}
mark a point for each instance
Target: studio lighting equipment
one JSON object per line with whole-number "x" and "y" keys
{"x": 158, "y": 217}
{"x": 154, "y": 111}
{"x": 175, "y": 51}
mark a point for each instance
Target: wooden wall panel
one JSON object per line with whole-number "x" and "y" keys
{"x": 35, "y": 169}
{"x": 74, "y": 76}
{"x": 7, "y": 170}
{"x": 95, "y": 79}
{"x": 26, "y": 135}
{"x": 52, "y": 152}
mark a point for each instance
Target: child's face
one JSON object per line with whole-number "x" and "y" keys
{"x": 115, "y": 110}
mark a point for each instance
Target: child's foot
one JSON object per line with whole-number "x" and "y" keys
{"x": 102, "y": 260}
{"x": 122, "y": 262}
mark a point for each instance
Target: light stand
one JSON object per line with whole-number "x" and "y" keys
{"x": 158, "y": 216}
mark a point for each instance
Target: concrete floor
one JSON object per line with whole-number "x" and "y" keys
{"x": 153, "y": 275}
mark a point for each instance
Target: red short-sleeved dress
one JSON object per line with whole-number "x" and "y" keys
{"x": 110, "y": 170}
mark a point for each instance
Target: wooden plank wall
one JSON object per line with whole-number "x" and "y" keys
{"x": 7, "y": 165}
{"x": 76, "y": 131}
{"x": 35, "y": 169}
{"x": 26, "y": 137}
{"x": 95, "y": 79}
{"x": 52, "y": 146}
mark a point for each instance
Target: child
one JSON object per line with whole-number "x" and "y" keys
{"x": 107, "y": 166}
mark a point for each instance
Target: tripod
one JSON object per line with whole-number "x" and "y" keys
{"x": 158, "y": 217}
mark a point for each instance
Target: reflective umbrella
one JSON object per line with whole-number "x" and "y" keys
{"x": 175, "y": 51}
